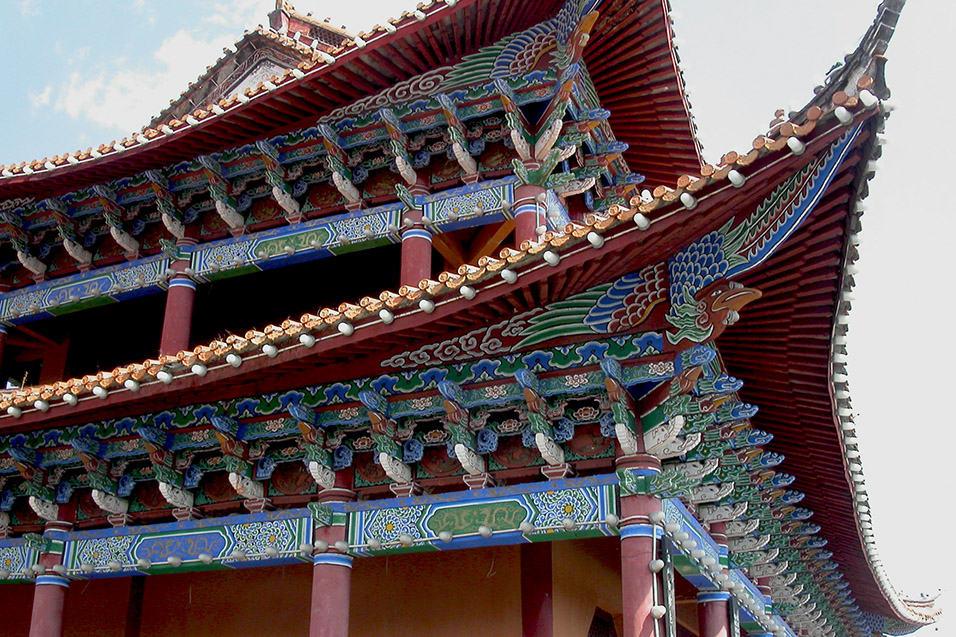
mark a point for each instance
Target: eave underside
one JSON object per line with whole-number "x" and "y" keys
{"x": 633, "y": 64}
{"x": 781, "y": 350}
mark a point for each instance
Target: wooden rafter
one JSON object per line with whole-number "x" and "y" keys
{"x": 450, "y": 248}
{"x": 489, "y": 239}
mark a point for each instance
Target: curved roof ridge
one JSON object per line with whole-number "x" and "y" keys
{"x": 674, "y": 200}
{"x": 162, "y": 129}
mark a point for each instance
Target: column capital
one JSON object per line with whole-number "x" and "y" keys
{"x": 417, "y": 233}
{"x": 639, "y": 463}
{"x": 53, "y": 580}
{"x": 332, "y": 559}
{"x": 182, "y": 280}
{"x": 712, "y": 596}
{"x": 640, "y": 529}
{"x": 60, "y": 526}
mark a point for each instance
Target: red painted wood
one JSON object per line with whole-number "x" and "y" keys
{"x": 713, "y": 619}
{"x": 331, "y": 583}
{"x": 177, "y": 322}
{"x": 637, "y": 581}
{"x": 49, "y": 601}
{"x": 331, "y": 588}
{"x": 529, "y": 214}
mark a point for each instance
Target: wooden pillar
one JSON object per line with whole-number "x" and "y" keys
{"x": 416, "y": 243}
{"x": 177, "y": 322}
{"x": 416, "y": 251}
{"x": 763, "y": 585}
{"x": 537, "y": 612}
{"x": 331, "y": 590}
{"x": 331, "y": 573}
{"x": 49, "y": 594}
{"x": 639, "y": 537}
{"x": 713, "y": 613}
{"x": 529, "y": 214}
{"x": 180, "y": 298}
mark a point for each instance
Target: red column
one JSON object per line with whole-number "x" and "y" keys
{"x": 713, "y": 607}
{"x": 416, "y": 251}
{"x": 537, "y": 612}
{"x": 713, "y": 613}
{"x": 331, "y": 588}
{"x": 49, "y": 594}
{"x": 529, "y": 214}
{"x": 638, "y": 547}
{"x": 331, "y": 577}
{"x": 178, "y": 320}
{"x": 416, "y": 243}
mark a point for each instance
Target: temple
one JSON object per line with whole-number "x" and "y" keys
{"x": 444, "y": 328}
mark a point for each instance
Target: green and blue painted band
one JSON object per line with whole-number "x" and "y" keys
{"x": 53, "y": 580}
{"x": 332, "y": 559}
{"x": 417, "y": 234}
{"x": 182, "y": 283}
{"x": 641, "y": 530}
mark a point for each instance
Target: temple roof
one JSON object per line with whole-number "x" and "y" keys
{"x": 662, "y": 138}
{"x": 291, "y": 39}
{"x": 788, "y": 347}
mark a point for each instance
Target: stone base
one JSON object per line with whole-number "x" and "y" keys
{"x": 258, "y": 505}
{"x": 184, "y": 514}
{"x": 557, "y": 471}
{"x": 405, "y": 490}
{"x": 484, "y": 481}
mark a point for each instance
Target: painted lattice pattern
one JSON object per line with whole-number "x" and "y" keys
{"x": 554, "y": 506}
{"x": 389, "y": 524}
{"x": 16, "y": 558}
{"x": 100, "y": 551}
{"x": 256, "y": 537}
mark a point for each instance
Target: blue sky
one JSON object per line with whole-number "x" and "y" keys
{"x": 83, "y": 72}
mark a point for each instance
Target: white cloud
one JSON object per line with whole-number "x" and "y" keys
{"x": 238, "y": 15}
{"x": 127, "y": 98}
{"x": 29, "y": 7}
{"x": 42, "y": 98}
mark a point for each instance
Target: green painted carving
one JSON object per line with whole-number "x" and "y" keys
{"x": 669, "y": 483}
{"x": 36, "y": 541}
{"x": 467, "y": 518}
{"x": 299, "y": 241}
{"x": 322, "y": 514}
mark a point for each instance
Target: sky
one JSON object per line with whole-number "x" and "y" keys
{"x": 79, "y": 73}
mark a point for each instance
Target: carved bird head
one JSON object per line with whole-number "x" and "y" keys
{"x": 719, "y": 304}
